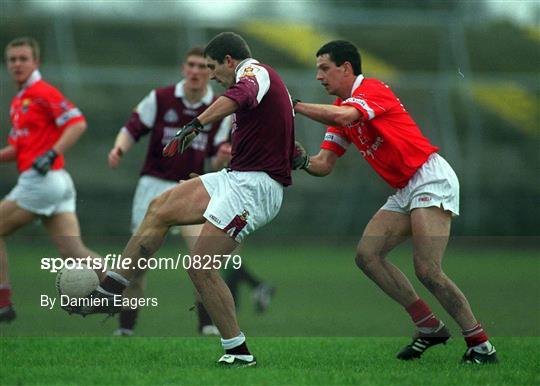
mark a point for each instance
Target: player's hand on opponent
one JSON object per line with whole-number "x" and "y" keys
{"x": 300, "y": 157}
{"x": 181, "y": 141}
{"x": 44, "y": 162}
{"x": 115, "y": 155}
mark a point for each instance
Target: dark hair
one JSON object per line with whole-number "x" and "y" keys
{"x": 194, "y": 51}
{"x": 341, "y": 51}
{"x": 25, "y": 41}
{"x": 227, "y": 43}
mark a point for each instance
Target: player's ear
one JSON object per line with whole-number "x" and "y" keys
{"x": 347, "y": 67}
{"x": 229, "y": 60}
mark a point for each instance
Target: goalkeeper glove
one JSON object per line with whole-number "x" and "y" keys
{"x": 180, "y": 142}
{"x": 44, "y": 162}
{"x": 300, "y": 157}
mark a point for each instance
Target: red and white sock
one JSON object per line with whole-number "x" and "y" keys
{"x": 423, "y": 317}
{"x": 5, "y": 295}
{"x": 475, "y": 336}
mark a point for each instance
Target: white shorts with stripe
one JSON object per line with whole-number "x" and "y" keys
{"x": 241, "y": 202}
{"x": 44, "y": 195}
{"x": 433, "y": 184}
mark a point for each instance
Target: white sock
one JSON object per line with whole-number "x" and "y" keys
{"x": 119, "y": 278}
{"x": 233, "y": 342}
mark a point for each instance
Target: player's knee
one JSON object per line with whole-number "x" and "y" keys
{"x": 156, "y": 212}
{"x": 365, "y": 259}
{"x": 429, "y": 275}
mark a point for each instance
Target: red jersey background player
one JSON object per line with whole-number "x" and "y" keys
{"x": 45, "y": 125}
{"x": 369, "y": 115}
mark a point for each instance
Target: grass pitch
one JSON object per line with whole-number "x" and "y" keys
{"x": 281, "y": 361}
{"x": 328, "y": 324}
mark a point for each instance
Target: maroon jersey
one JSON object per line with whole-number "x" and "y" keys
{"x": 263, "y": 126}
{"x": 162, "y": 113}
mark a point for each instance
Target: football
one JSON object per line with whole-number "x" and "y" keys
{"x": 76, "y": 283}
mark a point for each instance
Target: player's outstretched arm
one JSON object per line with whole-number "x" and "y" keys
{"x": 8, "y": 154}
{"x": 322, "y": 164}
{"x": 124, "y": 141}
{"x": 328, "y": 114}
{"x": 222, "y": 107}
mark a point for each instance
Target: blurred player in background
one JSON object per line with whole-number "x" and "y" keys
{"x": 161, "y": 114}
{"x": 45, "y": 126}
{"x": 231, "y": 203}
{"x": 369, "y": 115}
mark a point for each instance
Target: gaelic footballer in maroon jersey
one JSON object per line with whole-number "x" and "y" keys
{"x": 232, "y": 203}
{"x": 368, "y": 114}
{"x": 161, "y": 114}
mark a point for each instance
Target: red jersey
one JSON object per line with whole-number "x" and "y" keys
{"x": 386, "y": 135}
{"x": 39, "y": 114}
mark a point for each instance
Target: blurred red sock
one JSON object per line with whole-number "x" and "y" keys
{"x": 422, "y": 316}
{"x": 475, "y": 336}
{"x": 5, "y": 297}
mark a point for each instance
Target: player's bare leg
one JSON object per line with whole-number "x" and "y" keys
{"x": 217, "y": 297}
{"x": 65, "y": 233}
{"x": 431, "y": 230}
{"x": 215, "y": 294}
{"x": 12, "y": 217}
{"x": 182, "y": 205}
{"x": 206, "y": 327}
{"x": 383, "y": 233}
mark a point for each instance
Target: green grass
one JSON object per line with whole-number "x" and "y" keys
{"x": 328, "y": 324}
{"x": 282, "y": 361}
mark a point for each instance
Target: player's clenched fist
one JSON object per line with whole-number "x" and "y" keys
{"x": 183, "y": 138}
{"x": 115, "y": 155}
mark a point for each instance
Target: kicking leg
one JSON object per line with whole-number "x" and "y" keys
{"x": 181, "y": 205}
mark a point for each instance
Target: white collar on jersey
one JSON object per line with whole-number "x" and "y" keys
{"x": 206, "y": 99}
{"x": 357, "y": 83}
{"x": 244, "y": 63}
{"x": 34, "y": 77}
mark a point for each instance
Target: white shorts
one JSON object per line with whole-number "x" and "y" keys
{"x": 241, "y": 202}
{"x": 148, "y": 188}
{"x": 44, "y": 195}
{"x": 434, "y": 184}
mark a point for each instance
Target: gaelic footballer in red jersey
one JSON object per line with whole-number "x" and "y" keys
{"x": 231, "y": 203}
{"x": 45, "y": 125}
{"x": 369, "y": 115}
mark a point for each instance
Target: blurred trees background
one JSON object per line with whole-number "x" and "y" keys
{"x": 470, "y": 80}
